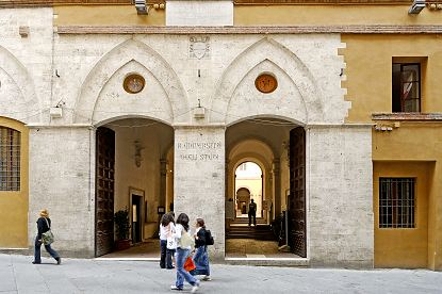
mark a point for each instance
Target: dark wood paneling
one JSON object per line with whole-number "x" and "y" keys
{"x": 297, "y": 203}
{"x": 104, "y": 205}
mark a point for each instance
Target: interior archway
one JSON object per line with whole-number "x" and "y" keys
{"x": 248, "y": 186}
{"x": 265, "y": 142}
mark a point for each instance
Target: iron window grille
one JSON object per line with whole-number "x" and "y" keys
{"x": 397, "y": 202}
{"x": 9, "y": 159}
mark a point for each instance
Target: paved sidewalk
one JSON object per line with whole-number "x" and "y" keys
{"x": 18, "y": 275}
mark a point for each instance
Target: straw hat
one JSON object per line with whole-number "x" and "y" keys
{"x": 44, "y": 213}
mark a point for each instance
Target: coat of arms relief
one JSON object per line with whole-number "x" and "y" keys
{"x": 199, "y": 47}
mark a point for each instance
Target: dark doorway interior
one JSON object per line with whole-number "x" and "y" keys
{"x": 136, "y": 219}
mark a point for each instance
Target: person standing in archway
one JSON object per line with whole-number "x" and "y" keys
{"x": 252, "y": 212}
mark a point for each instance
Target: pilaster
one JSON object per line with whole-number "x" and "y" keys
{"x": 200, "y": 179}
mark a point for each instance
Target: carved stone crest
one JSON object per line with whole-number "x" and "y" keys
{"x": 199, "y": 47}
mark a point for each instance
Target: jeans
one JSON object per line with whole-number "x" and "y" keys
{"x": 37, "y": 251}
{"x": 181, "y": 273}
{"x": 166, "y": 255}
{"x": 201, "y": 259}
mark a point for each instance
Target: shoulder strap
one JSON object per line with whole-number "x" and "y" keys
{"x": 47, "y": 223}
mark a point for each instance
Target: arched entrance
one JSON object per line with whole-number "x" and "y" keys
{"x": 134, "y": 173}
{"x": 143, "y": 137}
{"x": 277, "y": 148}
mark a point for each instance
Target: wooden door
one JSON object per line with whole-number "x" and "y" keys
{"x": 104, "y": 204}
{"x": 296, "y": 201}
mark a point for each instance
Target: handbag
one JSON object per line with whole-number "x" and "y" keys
{"x": 186, "y": 240}
{"x": 47, "y": 237}
{"x": 171, "y": 243}
{"x": 189, "y": 265}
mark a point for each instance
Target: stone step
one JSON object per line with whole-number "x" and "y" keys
{"x": 260, "y": 232}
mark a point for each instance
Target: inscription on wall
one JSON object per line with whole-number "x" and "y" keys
{"x": 199, "y": 151}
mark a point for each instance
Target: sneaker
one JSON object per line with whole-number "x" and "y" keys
{"x": 173, "y": 287}
{"x": 206, "y": 278}
{"x": 195, "y": 287}
{"x": 35, "y": 262}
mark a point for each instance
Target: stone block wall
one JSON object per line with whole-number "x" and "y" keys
{"x": 62, "y": 170}
{"x": 340, "y": 205}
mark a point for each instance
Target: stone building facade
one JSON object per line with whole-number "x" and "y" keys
{"x": 187, "y": 98}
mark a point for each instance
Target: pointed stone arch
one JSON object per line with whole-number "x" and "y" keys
{"x": 133, "y": 55}
{"x": 267, "y": 55}
{"x": 22, "y": 105}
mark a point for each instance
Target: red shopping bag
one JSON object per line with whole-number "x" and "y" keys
{"x": 189, "y": 265}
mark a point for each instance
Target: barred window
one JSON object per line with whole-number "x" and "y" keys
{"x": 9, "y": 159}
{"x": 396, "y": 202}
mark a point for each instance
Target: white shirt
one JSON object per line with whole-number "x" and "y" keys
{"x": 166, "y": 230}
{"x": 179, "y": 230}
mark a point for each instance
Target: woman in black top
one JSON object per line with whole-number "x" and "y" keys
{"x": 43, "y": 225}
{"x": 201, "y": 256}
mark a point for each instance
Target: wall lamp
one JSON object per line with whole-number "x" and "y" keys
{"x": 138, "y": 157}
{"x": 416, "y": 7}
{"x": 141, "y": 7}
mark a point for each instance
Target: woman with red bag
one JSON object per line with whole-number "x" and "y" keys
{"x": 185, "y": 244}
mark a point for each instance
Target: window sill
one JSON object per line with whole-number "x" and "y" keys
{"x": 407, "y": 116}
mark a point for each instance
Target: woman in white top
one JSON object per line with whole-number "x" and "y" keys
{"x": 185, "y": 243}
{"x": 167, "y": 227}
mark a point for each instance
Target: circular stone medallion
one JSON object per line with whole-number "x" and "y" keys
{"x": 134, "y": 83}
{"x": 266, "y": 83}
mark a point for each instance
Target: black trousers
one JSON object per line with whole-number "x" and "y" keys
{"x": 252, "y": 214}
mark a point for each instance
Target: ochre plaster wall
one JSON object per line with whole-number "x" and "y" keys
{"x": 368, "y": 61}
{"x": 368, "y": 70}
{"x": 274, "y": 15}
{"x": 408, "y": 143}
{"x": 256, "y": 15}
{"x": 403, "y": 247}
{"x": 15, "y": 204}
{"x": 124, "y": 15}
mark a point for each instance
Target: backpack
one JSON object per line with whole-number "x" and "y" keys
{"x": 209, "y": 238}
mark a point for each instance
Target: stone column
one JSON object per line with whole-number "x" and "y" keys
{"x": 199, "y": 181}
{"x": 277, "y": 186}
